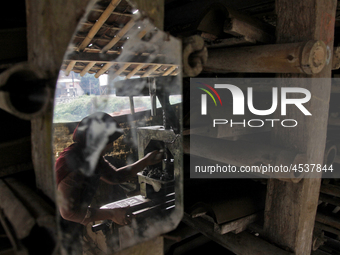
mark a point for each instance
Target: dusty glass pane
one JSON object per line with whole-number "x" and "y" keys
{"x": 117, "y": 131}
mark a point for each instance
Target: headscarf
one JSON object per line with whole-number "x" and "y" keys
{"x": 90, "y": 137}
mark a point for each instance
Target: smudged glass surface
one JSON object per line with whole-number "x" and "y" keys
{"x": 118, "y": 98}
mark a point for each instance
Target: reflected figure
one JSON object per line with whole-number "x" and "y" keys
{"x": 81, "y": 166}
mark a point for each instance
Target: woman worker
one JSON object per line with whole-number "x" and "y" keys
{"x": 81, "y": 166}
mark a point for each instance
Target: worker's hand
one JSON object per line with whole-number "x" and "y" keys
{"x": 121, "y": 216}
{"x": 153, "y": 157}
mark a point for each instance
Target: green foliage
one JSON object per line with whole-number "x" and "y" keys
{"x": 81, "y": 107}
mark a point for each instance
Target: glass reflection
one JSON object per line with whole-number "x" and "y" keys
{"x": 117, "y": 129}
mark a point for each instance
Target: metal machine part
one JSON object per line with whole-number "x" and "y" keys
{"x": 152, "y": 92}
{"x": 162, "y": 178}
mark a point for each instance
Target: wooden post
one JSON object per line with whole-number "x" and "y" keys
{"x": 291, "y": 207}
{"x": 46, "y": 51}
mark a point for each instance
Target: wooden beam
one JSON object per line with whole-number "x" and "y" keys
{"x": 115, "y": 74}
{"x": 134, "y": 71}
{"x": 307, "y": 57}
{"x": 329, "y": 189}
{"x": 327, "y": 228}
{"x": 118, "y": 36}
{"x": 249, "y": 28}
{"x": 291, "y": 207}
{"x": 169, "y": 71}
{"x": 106, "y": 58}
{"x": 70, "y": 67}
{"x": 237, "y": 226}
{"x": 87, "y": 68}
{"x": 332, "y": 221}
{"x": 100, "y": 22}
{"x": 104, "y": 69}
{"x": 114, "y": 13}
{"x": 151, "y": 70}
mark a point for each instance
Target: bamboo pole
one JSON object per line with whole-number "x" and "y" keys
{"x": 118, "y": 72}
{"x": 70, "y": 67}
{"x": 104, "y": 69}
{"x": 87, "y": 68}
{"x": 169, "y": 71}
{"x": 134, "y": 71}
{"x": 151, "y": 70}
{"x": 118, "y": 36}
{"x": 106, "y": 14}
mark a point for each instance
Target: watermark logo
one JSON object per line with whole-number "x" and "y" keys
{"x": 243, "y": 102}
{"x": 238, "y": 100}
{"x": 204, "y": 97}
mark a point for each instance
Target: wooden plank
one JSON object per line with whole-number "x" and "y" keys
{"x": 330, "y": 199}
{"x": 328, "y": 220}
{"x": 330, "y": 189}
{"x": 18, "y": 215}
{"x": 291, "y": 208}
{"x": 237, "y": 226}
{"x": 327, "y": 228}
{"x": 240, "y": 244}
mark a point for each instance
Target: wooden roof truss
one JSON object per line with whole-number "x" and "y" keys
{"x": 97, "y": 46}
